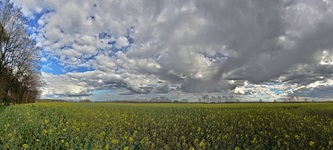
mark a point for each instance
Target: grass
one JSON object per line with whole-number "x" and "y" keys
{"x": 167, "y": 126}
{"x": 2, "y": 108}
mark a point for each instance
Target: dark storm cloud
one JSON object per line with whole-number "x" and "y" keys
{"x": 309, "y": 74}
{"x": 162, "y": 89}
{"x": 320, "y": 92}
{"x": 253, "y": 29}
{"x": 249, "y": 29}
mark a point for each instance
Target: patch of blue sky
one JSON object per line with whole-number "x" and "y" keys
{"x": 277, "y": 91}
{"x": 52, "y": 66}
{"x": 104, "y": 35}
{"x": 78, "y": 69}
{"x": 102, "y": 91}
{"x": 112, "y": 42}
{"x": 115, "y": 50}
{"x": 32, "y": 21}
{"x": 56, "y": 68}
{"x": 274, "y": 83}
{"x": 152, "y": 85}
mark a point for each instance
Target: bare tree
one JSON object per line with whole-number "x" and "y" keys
{"x": 19, "y": 58}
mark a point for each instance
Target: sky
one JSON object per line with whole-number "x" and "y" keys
{"x": 122, "y": 49}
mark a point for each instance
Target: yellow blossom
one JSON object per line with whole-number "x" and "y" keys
{"x": 130, "y": 139}
{"x": 25, "y": 146}
{"x": 114, "y": 142}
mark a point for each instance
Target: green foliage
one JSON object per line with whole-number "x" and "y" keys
{"x": 166, "y": 126}
{"x": 2, "y": 108}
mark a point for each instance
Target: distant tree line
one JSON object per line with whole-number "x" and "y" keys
{"x": 161, "y": 99}
{"x": 85, "y": 101}
{"x": 52, "y": 100}
{"x": 19, "y": 58}
{"x": 204, "y": 99}
{"x": 218, "y": 99}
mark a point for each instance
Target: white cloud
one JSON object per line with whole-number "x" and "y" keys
{"x": 239, "y": 90}
{"x": 121, "y": 42}
{"x": 64, "y": 86}
{"x": 29, "y": 6}
{"x": 104, "y": 63}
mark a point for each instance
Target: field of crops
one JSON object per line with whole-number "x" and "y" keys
{"x": 166, "y": 126}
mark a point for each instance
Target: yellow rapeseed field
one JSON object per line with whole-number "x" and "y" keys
{"x": 166, "y": 126}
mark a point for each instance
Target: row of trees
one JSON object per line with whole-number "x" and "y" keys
{"x": 204, "y": 99}
{"x": 218, "y": 99}
{"x": 19, "y": 58}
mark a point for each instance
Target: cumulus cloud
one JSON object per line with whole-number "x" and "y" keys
{"x": 64, "y": 86}
{"x": 121, "y": 42}
{"x": 278, "y": 38}
{"x": 204, "y": 46}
